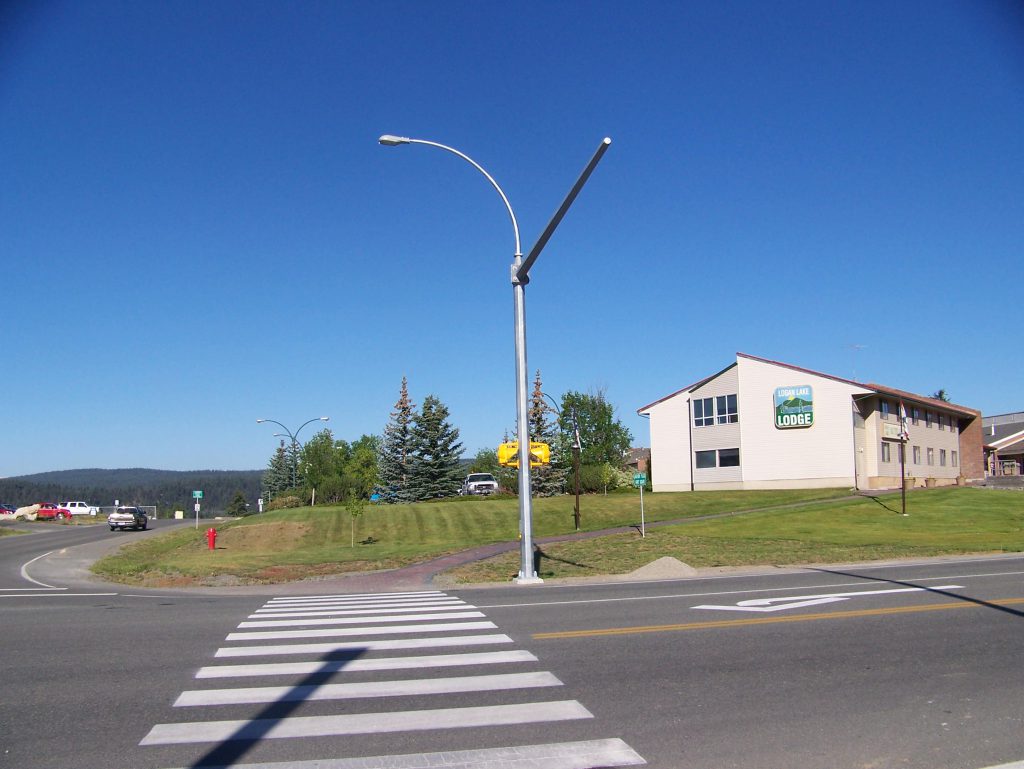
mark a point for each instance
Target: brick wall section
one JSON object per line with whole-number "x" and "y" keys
{"x": 972, "y": 449}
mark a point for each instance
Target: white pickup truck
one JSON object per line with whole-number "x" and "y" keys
{"x": 80, "y": 508}
{"x": 479, "y": 483}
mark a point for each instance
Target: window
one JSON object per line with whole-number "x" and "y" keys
{"x": 728, "y": 457}
{"x": 931, "y": 456}
{"x": 726, "y": 406}
{"x": 942, "y": 422}
{"x": 942, "y": 457}
{"x": 883, "y": 409}
{"x": 705, "y": 459}
{"x": 953, "y": 458}
{"x": 721, "y": 408}
{"x": 720, "y": 458}
{"x": 917, "y": 415}
{"x": 928, "y": 420}
{"x": 886, "y": 455}
{"x": 704, "y": 412}
{"x": 917, "y": 455}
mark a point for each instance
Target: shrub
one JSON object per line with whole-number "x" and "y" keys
{"x": 283, "y": 502}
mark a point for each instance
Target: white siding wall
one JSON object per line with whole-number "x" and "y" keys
{"x": 718, "y": 436}
{"x": 820, "y": 455}
{"x": 825, "y": 454}
{"x": 670, "y": 444}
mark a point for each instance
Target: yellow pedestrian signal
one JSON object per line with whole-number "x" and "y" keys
{"x": 540, "y": 454}
{"x": 508, "y": 454}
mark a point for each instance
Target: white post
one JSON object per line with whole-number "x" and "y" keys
{"x": 643, "y": 532}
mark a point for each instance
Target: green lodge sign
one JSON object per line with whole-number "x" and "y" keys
{"x": 794, "y": 407}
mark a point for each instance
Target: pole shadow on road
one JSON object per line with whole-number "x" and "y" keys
{"x": 937, "y": 591}
{"x": 233, "y": 747}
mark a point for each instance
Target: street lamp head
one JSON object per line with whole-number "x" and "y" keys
{"x": 325, "y": 419}
{"x": 260, "y": 421}
{"x": 393, "y": 141}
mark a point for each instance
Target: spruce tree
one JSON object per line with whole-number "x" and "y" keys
{"x": 278, "y": 475}
{"x": 434, "y": 470}
{"x": 546, "y": 480}
{"x": 393, "y": 454}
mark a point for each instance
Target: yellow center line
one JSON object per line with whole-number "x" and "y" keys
{"x": 966, "y": 604}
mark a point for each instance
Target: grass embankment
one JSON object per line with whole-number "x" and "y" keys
{"x": 824, "y": 527}
{"x": 940, "y": 522}
{"x": 306, "y": 542}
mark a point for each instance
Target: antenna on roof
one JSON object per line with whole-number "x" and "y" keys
{"x": 856, "y": 348}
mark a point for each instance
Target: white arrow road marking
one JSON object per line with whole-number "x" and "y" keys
{"x": 796, "y": 601}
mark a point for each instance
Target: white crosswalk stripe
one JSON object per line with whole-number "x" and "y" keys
{"x": 361, "y": 665}
{"x": 343, "y": 676}
{"x": 499, "y": 682}
{"x": 357, "y": 620}
{"x": 320, "y": 612}
{"x": 435, "y": 627}
{"x": 368, "y": 644}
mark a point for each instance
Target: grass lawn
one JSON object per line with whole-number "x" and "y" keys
{"x": 292, "y": 544}
{"x": 940, "y": 522}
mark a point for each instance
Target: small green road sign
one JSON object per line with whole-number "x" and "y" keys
{"x": 197, "y": 494}
{"x": 639, "y": 479}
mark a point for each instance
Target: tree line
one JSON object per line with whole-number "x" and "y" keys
{"x": 418, "y": 455}
{"x": 168, "y": 490}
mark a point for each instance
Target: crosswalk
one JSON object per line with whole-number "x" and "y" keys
{"x": 339, "y": 673}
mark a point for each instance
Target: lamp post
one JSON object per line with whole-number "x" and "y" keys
{"x": 295, "y": 441}
{"x": 520, "y": 277}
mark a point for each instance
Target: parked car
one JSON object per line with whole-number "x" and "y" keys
{"x": 81, "y": 508}
{"x": 479, "y": 483}
{"x": 127, "y": 517}
{"x": 7, "y": 509}
{"x": 51, "y": 511}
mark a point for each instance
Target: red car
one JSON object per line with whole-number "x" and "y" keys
{"x": 48, "y": 510}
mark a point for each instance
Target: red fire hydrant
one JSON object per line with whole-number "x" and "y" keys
{"x": 211, "y": 538}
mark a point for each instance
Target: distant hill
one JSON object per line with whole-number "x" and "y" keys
{"x": 167, "y": 489}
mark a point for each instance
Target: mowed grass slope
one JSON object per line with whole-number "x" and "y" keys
{"x": 304, "y": 542}
{"x": 940, "y": 522}
{"x": 788, "y": 527}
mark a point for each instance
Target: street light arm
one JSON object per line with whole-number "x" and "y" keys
{"x": 316, "y": 419}
{"x": 261, "y": 421}
{"x": 392, "y": 141}
{"x": 522, "y": 274}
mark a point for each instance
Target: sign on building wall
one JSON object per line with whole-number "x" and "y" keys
{"x": 794, "y": 407}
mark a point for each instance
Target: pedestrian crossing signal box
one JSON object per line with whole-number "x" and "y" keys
{"x": 508, "y": 454}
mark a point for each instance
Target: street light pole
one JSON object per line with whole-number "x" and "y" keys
{"x": 295, "y": 442}
{"x": 520, "y": 277}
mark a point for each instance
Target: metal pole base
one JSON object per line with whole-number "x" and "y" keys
{"x": 528, "y": 581}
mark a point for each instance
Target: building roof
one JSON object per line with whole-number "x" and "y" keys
{"x": 923, "y": 400}
{"x": 877, "y": 388}
{"x": 1013, "y": 448}
{"x": 1001, "y": 436}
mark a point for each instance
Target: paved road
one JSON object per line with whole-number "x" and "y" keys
{"x": 909, "y": 665}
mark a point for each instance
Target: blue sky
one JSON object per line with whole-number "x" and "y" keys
{"x": 198, "y": 227}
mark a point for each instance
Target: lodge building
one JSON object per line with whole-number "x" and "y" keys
{"x": 761, "y": 424}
